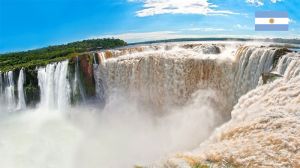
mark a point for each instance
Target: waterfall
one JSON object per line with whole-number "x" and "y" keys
{"x": 167, "y": 76}
{"x": 54, "y": 86}
{"x": 170, "y": 75}
{"x": 99, "y": 76}
{"x": 101, "y": 58}
{"x": 157, "y": 99}
{"x": 264, "y": 120}
{"x": 2, "y": 99}
{"x": 21, "y": 98}
{"x": 289, "y": 65}
{"x": 252, "y": 62}
{"x": 158, "y": 75}
{"x": 9, "y": 91}
{"x": 78, "y": 90}
{"x": 9, "y": 101}
{"x": 1, "y": 83}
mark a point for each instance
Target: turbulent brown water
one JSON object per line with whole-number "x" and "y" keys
{"x": 157, "y": 100}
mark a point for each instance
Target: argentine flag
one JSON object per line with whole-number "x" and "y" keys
{"x": 271, "y": 21}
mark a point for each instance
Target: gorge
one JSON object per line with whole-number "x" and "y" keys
{"x": 150, "y": 104}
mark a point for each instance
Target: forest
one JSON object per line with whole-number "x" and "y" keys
{"x": 43, "y": 56}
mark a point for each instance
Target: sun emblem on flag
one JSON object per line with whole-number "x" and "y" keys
{"x": 271, "y": 20}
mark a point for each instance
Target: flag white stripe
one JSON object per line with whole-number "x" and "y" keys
{"x": 276, "y": 20}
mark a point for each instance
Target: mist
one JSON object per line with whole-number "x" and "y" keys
{"x": 124, "y": 133}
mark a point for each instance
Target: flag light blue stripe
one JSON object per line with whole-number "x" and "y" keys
{"x": 271, "y": 14}
{"x": 271, "y": 27}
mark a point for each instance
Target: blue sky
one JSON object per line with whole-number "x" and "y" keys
{"x": 29, "y": 24}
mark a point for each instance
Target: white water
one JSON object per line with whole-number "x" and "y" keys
{"x": 77, "y": 87}
{"x": 289, "y": 65}
{"x": 9, "y": 101}
{"x": 1, "y": 83}
{"x": 21, "y": 99}
{"x": 123, "y": 134}
{"x": 9, "y": 90}
{"x": 100, "y": 78}
{"x": 253, "y": 61}
{"x": 159, "y": 100}
{"x": 264, "y": 129}
{"x": 1, "y": 93}
{"x": 54, "y": 86}
{"x": 163, "y": 76}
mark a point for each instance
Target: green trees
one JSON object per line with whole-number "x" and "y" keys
{"x": 43, "y": 56}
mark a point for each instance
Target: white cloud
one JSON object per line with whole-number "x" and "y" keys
{"x": 200, "y": 7}
{"x": 274, "y": 1}
{"x": 260, "y": 2}
{"x": 255, "y": 2}
{"x": 243, "y": 27}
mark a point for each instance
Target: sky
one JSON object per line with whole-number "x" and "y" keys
{"x": 30, "y": 24}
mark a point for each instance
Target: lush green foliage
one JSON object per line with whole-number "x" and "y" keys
{"x": 43, "y": 56}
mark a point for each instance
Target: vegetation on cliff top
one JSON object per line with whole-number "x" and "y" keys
{"x": 43, "y": 56}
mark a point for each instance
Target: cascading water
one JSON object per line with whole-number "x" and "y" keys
{"x": 9, "y": 91}
{"x": 54, "y": 86}
{"x": 263, "y": 131}
{"x": 157, "y": 99}
{"x": 100, "y": 77}
{"x": 171, "y": 76}
{"x": 1, "y": 93}
{"x": 168, "y": 76}
{"x": 9, "y": 100}
{"x": 252, "y": 62}
{"x": 289, "y": 65}
{"x": 21, "y": 98}
{"x": 78, "y": 90}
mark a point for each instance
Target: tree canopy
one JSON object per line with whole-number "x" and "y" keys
{"x": 43, "y": 56}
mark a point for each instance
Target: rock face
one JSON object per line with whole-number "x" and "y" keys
{"x": 86, "y": 74}
{"x": 32, "y": 91}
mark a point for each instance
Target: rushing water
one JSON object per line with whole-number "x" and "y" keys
{"x": 263, "y": 130}
{"x": 155, "y": 100}
{"x": 77, "y": 84}
{"x": 21, "y": 101}
{"x": 54, "y": 86}
{"x": 9, "y": 100}
{"x": 9, "y": 91}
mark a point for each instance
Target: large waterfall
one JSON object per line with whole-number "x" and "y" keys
{"x": 137, "y": 105}
{"x": 169, "y": 75}
{"x": 264, "y": 128}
